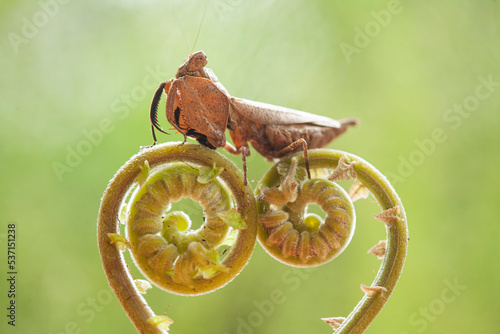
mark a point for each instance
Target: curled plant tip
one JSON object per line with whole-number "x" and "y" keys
{"x": 142, "y": 285}
{"x": 344, "y": 170}
{"x": 279, "y": 236}
{"x": 119, "y": 241}
{"x": 379, "y": 249}
{"x": 175, "y": 221}
{"x": 208, "y": 174}
{"x": 358, "y": 191}
{"x": 166, "y": 250}
{"x": 372, "y": 291}
{"x": 305, "y": 240}
{"x": 233, "y": 218}
{"x": 161, "y": 322}
{"x": 389, "y": 216}
{"x": 313, "y": 221}
{"x": 335, "y": 322}
{"x": 143, "y": 175}
{"x": 163, "y": 245}
{"x": 191, "y": 262}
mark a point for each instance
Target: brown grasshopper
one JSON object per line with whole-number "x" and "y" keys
{"x": 199, "y": 106}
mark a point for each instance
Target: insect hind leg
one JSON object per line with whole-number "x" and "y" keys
{"x": 244, "y": 151}
{"x": 287, "y": 150}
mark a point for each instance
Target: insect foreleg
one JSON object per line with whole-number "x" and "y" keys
{"x": 292, "y": 147}
{"x": 153, "y": 111}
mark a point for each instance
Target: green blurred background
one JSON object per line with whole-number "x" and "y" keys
{"x": 422, "y": 76}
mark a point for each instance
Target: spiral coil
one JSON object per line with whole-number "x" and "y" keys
{"x": 185, "y": 261}
{"x": 299, "y": 239}
{"x": 163, "y": 245}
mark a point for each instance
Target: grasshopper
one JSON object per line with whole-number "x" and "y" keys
{"x": 199, "y": 106}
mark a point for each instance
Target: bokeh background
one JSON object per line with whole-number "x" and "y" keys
{"x": 76, "y": 79}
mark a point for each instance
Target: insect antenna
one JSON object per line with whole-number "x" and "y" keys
{"x": 182, "y": 31}
{"x": 153, "y": 111}
{"x": 199, "y": 28}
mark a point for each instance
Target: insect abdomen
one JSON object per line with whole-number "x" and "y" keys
{"x": 269, "y": 139}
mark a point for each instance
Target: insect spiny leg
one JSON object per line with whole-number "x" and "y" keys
{"x": 292, "y": 147}
{"x": 244, "y": 154}
{"x": 306, "y": 157}
{"x": 153, "y": 111}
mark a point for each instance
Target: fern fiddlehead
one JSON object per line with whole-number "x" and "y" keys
{"x": 287, "y": 235}
{"x": 299, "y": 239}
{"x": 186, "y": 261}
{"x": 165, "y": 249}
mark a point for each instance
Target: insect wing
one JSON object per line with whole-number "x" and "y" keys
{"x": 265, "y": 113}
{"x": 196, "y": 103}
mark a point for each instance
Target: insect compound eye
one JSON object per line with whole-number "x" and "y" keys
{"x": 197, "y": 61}
{"x": 201, "y": 56}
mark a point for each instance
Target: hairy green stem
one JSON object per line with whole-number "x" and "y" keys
{"x": 397, "y": 234}
{"x": 113, "y": 261}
